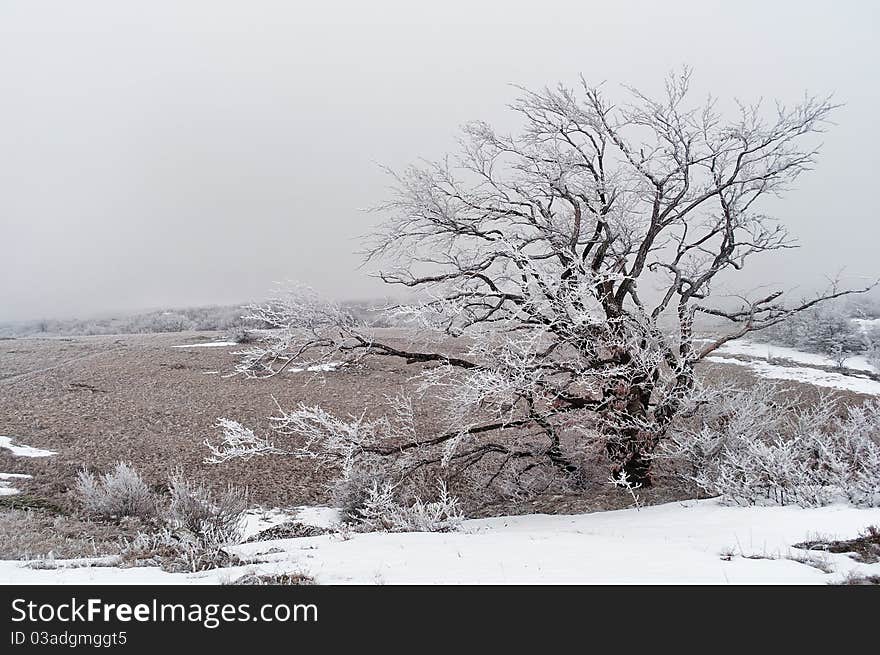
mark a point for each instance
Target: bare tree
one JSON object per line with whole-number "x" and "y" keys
{"x": 556, "y": 258}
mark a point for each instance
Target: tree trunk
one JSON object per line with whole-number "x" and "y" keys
{"x": 630, "y": 448}
{"x": 631, "y": 455}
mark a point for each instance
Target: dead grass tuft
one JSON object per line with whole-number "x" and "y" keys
{"x": 864, "y": 548}
{"x": 274, "y": 579}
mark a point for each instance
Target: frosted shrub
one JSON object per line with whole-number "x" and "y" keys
{"x": 383, "y": 512}
{"x": 241, "y": 334}
{"x": 122, "y": 492}
{"x": 872, "y": 347}
{"x": 177, "y": 551}
{"x": 852, "y": 454}
{"x": 751, "y": 449}
{"x": 199, "y": 528}
{"x": 350, "y": 492}
{"x": 207, "y": 516}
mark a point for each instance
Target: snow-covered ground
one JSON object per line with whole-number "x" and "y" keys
{"x": 210, "y": 344}
{"x": 781, "y": 363}
{"x": 23, "y": 451}
{"x": 255, "y": 521}
{"x": 326, "y": 367}
{"x": 805, "y": 375}
{"x": 19, "y": 450}
{"x": 6, "y": 488}
{"x": 769, "y": 352}
{"x": 699, "y": 542}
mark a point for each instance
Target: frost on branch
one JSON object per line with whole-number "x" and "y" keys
{"x": 301, "y": 328}
{"x": 239, "y": 441}
{"x": 622, "y": 481}
{"x": 310, "y": 432}
{"x": 376, "y": 492}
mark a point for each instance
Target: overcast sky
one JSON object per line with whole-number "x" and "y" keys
{"x": 169, "y": 153}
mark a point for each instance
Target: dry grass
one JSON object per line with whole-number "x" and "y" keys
{"x": 856, "y": 579}
{"x": 864, "y": 548}
{"x": 35, "y": 534}
{"x": 288, "y": 530}
{"x": 162, "y": 402}
{"x": 274, "y": 579}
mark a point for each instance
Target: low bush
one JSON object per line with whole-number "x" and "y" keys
{"x": 241, "y": 334}
{"x": 382, "y": 511}
{"x": 197, "y": 510}
{"x": 122, "y": 492}
{"x": 196, "y": 529}
{"x": 351, "y": 491}
{"x": 178, "y": 551}
{"x": 751, "y": 447}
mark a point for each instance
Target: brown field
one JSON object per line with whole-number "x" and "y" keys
{"x": 97, "y": 400}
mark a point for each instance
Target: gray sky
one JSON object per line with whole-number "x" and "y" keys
{"x": 161, "y": 153}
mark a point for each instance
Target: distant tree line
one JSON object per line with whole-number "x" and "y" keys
{"x": 837, "y": 330}
{"x": 198, "y": 319}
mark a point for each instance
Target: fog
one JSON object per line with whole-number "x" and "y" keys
{"x": 160, "y": 153}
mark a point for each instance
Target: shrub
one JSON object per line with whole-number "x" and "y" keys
{"x": 750, "y": 448}
{"x": 205, "y": 515}
{"x": 351, "y": 491}
{"x": 383, "y": 512}
{"x": 199, "y": 525}
{"x": 177, "y": 551}
{"x": 241, "y": 334}
{"x": 122, "y": 492}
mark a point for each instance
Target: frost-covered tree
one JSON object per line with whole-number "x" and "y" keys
{"x": 552, "y": 261}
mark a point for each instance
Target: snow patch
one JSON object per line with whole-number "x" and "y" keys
{"x": 768, "y": 351}
{"x": 804, "y": 375}
{"x": 667, "y": 544}
{"x": 24, "y": 451}
{"x": 322, "y": 368}
{"x": 318, "y": 517}
{"x": 257, "y": 520}
{"x": 6, "y": 488}
{"x": 210, "y": 344}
